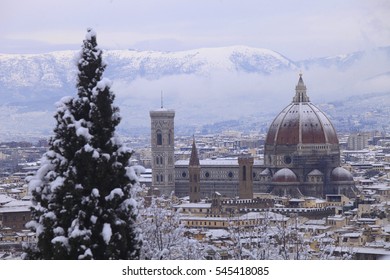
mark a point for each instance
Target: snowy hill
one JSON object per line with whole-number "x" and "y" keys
{"x": 203, "y": 85}
{"x": 57, "y": 69}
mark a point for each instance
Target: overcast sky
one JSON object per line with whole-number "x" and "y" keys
{"x": 298, "y": 29}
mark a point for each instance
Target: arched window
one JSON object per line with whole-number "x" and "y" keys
{"x": 159, "y": 137}
{"x": 244, "y": 173}
{"x": 170, "y": 138}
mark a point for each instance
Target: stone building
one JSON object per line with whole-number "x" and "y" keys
{"x": 301, "y": 158}
{"x": 163, "y": 149}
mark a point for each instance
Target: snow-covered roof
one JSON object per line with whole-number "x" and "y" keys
{"x": 336, "y": 218}
{"x": 352, "y": 234}
{"x": 314, "y": 227}
{"x": 217, "y": 233}
{"x": 265, "y": 172}
{"x": 193, "y": 205}
{"x": 15, "y": 203}
{"x": 364, "y": 250}
{"x": 210, "y": 219}
{"x": 296, "y": 200}
{"x": 217, "y": 162}
{"x": 14, "y": 191}
{"x": 14, "y": 209}
{"x": 252, "y": 216}
{"x": 315, "y": 222}
{"x": 5, "y": 199}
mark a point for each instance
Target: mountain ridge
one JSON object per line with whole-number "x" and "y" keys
{"x": 203, "y": 85}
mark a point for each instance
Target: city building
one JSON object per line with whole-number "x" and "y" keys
{"x": 301, "y": 158}
{"x": 358, "y": 141}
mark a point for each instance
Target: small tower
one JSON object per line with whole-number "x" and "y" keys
{"x": 194, "y": 174}
{"x": 163, "y": 149}
{"x": 245, "y": 178}
{"x": 300, "y": 91}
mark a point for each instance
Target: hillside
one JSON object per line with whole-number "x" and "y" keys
{"x": 204, "y": 86}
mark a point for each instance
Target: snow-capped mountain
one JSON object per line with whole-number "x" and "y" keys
{"x": 203, "y": 85}
{"x": 57, "y": 69}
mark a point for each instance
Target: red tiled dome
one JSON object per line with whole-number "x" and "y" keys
{"x": 301, "y": 123}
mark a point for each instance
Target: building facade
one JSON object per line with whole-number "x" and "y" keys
{"x": 301, "y": 158}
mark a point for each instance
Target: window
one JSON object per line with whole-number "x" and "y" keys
{"x": 159, "y": 137}
{"x": 244, "y": 173}
{"x": 169, "y": 138}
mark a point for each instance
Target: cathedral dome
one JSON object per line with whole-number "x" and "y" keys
{"x": 284, "y": 175}
{"x": 340, "y": 174}
{"x": 301, "y": 122}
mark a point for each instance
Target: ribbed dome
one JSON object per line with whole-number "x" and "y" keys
{"x": 301, "y": 123}
{"x": 340, "y": 174}
{"x": 284, "y": 175}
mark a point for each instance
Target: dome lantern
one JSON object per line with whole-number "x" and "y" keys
{"x": 300, "y": 91}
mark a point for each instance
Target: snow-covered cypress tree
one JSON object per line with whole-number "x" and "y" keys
{"x": 83, "y": 207}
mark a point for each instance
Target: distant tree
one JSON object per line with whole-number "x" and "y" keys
{"x": 261, "y": 241}
{"x": 83, "y": 207}
{"x": 290, "y": 241}
{"x": 164, "y": 236}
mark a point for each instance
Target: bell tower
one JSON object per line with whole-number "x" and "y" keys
{"x": 163, "y": 149}
{"x": 194, "y": 174}
{"x": 245, "y": 177}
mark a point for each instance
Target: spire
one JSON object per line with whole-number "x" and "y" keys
{"x": 194, "y": 159}
{"x": 162, "y": 100}
{"x": 300, "y": 91}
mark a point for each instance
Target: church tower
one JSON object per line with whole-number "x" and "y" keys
{"x": 245, "y": 177}
{"x": 194, "y": 174}
{"x": 163, "y": 150}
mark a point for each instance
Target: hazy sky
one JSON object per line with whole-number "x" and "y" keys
{"x": 298, "y": 29}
